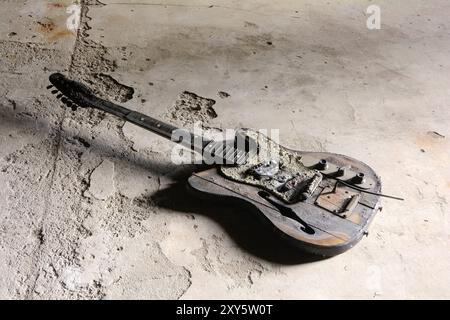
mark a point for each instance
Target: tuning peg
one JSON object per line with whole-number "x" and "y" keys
{"x": 59, "y": 96}
{"x": 64, "y": 100}
{"x": 49, "y": 87}
{"x": 55, "y": 91}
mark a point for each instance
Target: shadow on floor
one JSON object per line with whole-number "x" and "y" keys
{"x": 239, "y": 222}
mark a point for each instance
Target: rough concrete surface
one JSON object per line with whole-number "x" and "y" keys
{"x": 90, "y": 207}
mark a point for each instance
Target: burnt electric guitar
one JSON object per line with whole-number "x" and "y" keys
{"x": 321, "y": 202}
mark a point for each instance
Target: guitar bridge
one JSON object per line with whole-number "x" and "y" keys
{"x": 338, "y": 200}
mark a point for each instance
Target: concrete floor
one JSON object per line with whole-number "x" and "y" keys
{"x": 86, "y": 210}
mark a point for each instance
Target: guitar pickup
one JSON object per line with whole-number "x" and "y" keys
{"x": 301, "y": 187}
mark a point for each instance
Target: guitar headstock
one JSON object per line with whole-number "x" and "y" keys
{"x": 71, "y": 93}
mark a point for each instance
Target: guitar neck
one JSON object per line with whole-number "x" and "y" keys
{"x": 168, "y": 131}
{"x": 75, "y": 94}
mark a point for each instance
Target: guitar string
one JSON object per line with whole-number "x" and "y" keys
{"x": 365, "y": 191}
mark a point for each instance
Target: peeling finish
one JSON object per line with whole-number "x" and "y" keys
{"x": 101, "y": 185}
{"x": 190, "y": 108}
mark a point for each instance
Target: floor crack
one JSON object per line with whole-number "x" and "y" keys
{"x": 55, "y": 153}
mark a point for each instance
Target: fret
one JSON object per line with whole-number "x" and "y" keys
{"x": 220, "y": 150}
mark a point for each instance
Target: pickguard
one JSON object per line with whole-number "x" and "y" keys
{"x": 277, "y": 170}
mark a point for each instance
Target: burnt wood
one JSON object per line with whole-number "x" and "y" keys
{"x": 333, "y": 215}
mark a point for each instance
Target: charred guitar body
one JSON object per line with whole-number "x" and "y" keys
{"x": 328, "y": 213}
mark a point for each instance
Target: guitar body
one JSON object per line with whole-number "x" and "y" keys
{"x": 332, "y": 220}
